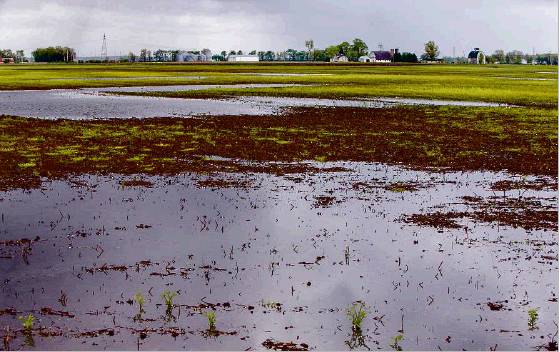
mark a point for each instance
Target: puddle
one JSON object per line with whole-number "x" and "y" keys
{"x": 527, "y": 78}
{"x": 177, "y": 88}
{"x": 278, "y": 259}
{"x": 95, "y": 103}
{"x": 281, "y": 74}
{"x": 365, "y": 103}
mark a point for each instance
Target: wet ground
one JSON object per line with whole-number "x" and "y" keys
{"x": 98, "y": 216}
{"x": 279, "y": 259}
{"x": 94, "y": 103}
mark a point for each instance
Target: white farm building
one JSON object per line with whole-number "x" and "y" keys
{"x": 243, "y": 58}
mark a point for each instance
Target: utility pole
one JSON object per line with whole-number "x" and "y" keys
{"x": 104, "y": 48}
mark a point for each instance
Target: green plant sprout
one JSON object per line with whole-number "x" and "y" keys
{"x": 356, "y": 313}
{"x": 396, "y": 341}
{"x": 138, "y": 298}
{"x": 168, "y": 300}
{"x": 27, "y": 322}
{"x": 533, "y": 316}
{"x": 211, "y": 316}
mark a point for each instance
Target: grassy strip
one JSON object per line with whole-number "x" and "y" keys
{"x": 462, "y": 93}
{"x": 520, "y": 140}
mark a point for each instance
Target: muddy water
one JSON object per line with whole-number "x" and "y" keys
{"x": 95, "y": 103}
{"x": 274, "y": 240}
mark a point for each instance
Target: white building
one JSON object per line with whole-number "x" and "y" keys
{"x": 364, "y": 58}
{"x": 476, "y": 56}
{"x": 186, "y": 56}
{"x": 339, "y": 58}
{"x": 243, "y": 58}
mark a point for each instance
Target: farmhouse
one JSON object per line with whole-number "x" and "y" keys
{"x": 364, "y": 58}
{"x": 339, "y": 58}
{"x": 476, "y": 57}
{"x": 381, "y": 56}
{"x": 8, "y": 60}
{"x": 243, "y": 58}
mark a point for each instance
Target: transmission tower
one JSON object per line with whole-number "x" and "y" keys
{"x": 104, "y": 48}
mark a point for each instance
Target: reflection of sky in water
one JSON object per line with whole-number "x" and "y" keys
{"x": 90, "y": 103}
{"x": 272, "y": 228}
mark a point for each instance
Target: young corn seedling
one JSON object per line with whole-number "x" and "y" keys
{"x": 533, "y": 316}
{"x": 396, "y": 341}
{"x": 168, "y": 300}
{"x": 356, "y": 313}
{"x": 211, "y": 316}
{"x": 139, "y": 299}
{"x": 27, "y": 322}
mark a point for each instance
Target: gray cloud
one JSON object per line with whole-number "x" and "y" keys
{"x": 276, "y": 25}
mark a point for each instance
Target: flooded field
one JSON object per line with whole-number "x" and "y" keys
{"x": 278, "y": 259}
{"x": 341, "y": 211}
{"x": 96, "y": 103}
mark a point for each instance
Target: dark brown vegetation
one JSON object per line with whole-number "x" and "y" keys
{"x": 521, "y": 212}
{"x": 451, "y": 138}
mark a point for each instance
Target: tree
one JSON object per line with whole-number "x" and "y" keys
{"x": 207, "y": 53}
{"x": 240, "y": 52}
{"x": 160, "y": 55}
{"x": 223, "y": 53}
{"x": 143, "y": 55}
{"x": 547, "y": 59}
{"x": 131, "y": 57}
{"x": 254, "y": 52}
{"x": 529, "y": 58}
{"x": 332, "y": 51}
{"x": 20, "y": 56}
{"x": 344, "y": 48}
{"x": 357, "y": 49}
{"x": 405, "y": 57}
{"x": 514, "y": 57}
{"x": 291, "y": 55}
{"x": 499, "y": 56}
{"x": 431, "y": 50}
{"x": 320, "y": 55}
{"x": 54, "y": 54}
{"x": 269, "y": 56}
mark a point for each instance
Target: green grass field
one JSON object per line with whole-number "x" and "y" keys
{"x": 514, "y": 84}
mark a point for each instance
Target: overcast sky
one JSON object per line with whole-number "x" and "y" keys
{"x": 278, "y": 24}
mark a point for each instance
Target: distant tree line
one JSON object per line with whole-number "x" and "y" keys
{"x": 518, "y": 57}
{"x": 54, "y": 54}
{"x": 405, "y": 57}
{"x": 351, "y": 50}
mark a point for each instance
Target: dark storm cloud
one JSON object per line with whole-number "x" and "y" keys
{"x": 276, "y": 25}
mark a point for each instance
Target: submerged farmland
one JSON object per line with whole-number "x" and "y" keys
{"x": 278, "y": 207}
